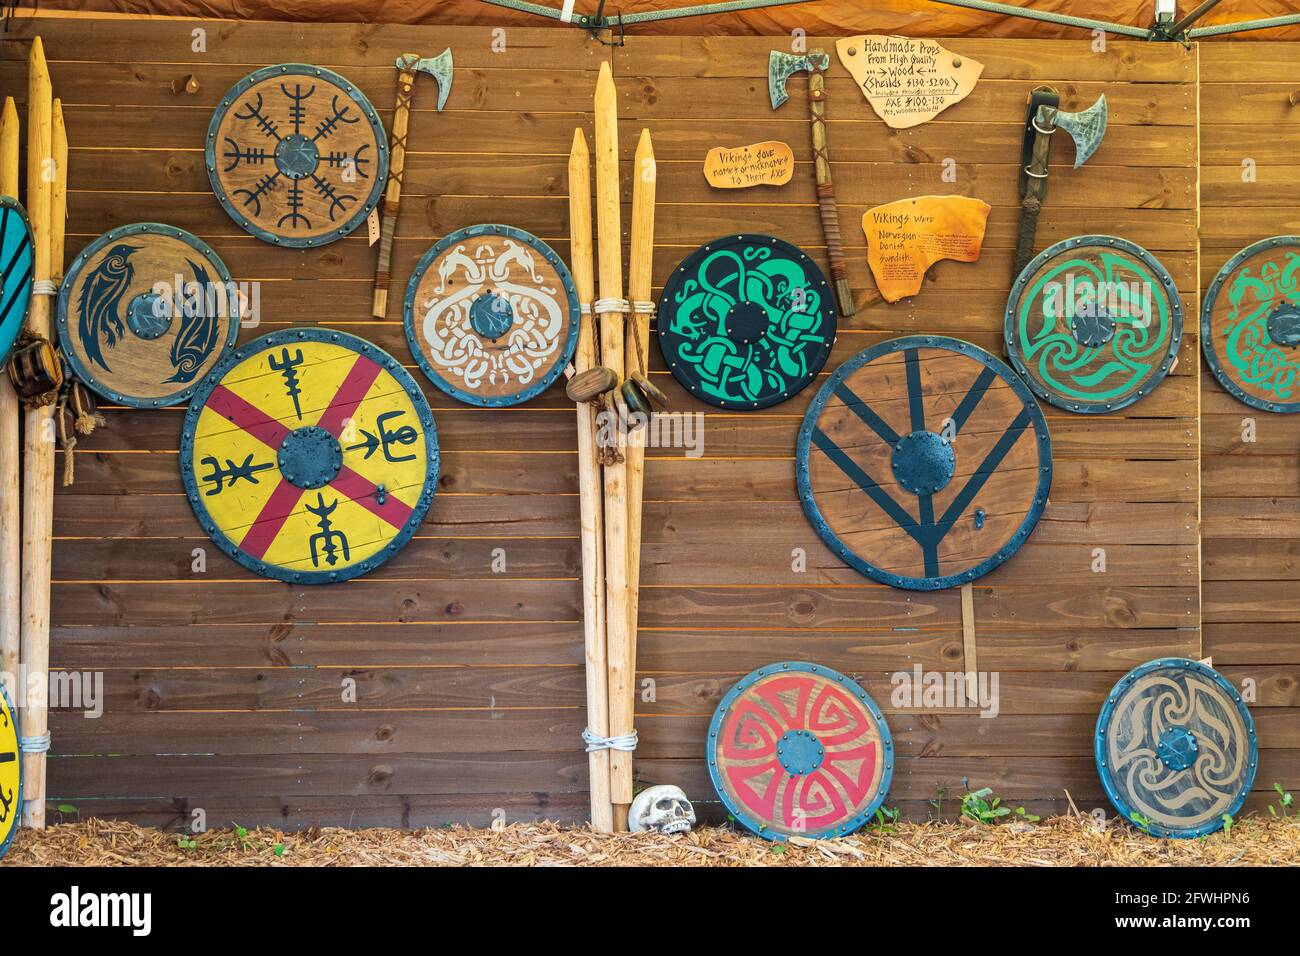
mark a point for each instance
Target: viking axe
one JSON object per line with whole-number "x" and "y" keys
{"x": 780, "y": 67}
{"x": 1043, "y": 118}
{"x": 408, "y": 64}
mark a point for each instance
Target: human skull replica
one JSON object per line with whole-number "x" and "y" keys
{"x": 662, "y": 809}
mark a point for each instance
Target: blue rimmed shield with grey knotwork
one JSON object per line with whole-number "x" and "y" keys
{"x": 746, "y": 321}
{"x": 924, "y": 462}
{"x": 146, "y": 311}
{"x": 1093, "y": 324}
{"x": 1250, "y": 325}
{"x": 492, "y": 315}
{"x": 296, "y": 155}
{"x": 16, "y": 263}
{"x": 1175, "y": 748}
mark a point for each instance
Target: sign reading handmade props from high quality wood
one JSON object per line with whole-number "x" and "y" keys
{"x": 310, "y": 456}
{"x": 764, "y": 164}
{"x": 1250, "y": 325}
{"x": 15, "y": 271}
{"x": 797, "y": 749}
{"x": 296, "y": 155}
{"x": 492, "y": 315}
{"x": 11, "y": 772}
{"x": 924, "y": 462}
{"x": 746, "y": 321}
{"x": 907, "y": 80}
{"x": 1175, "y": 747}
{"x": 1093, "y": 324}
{"x": 905, "y": 238}
{"x": 145, "y": 313}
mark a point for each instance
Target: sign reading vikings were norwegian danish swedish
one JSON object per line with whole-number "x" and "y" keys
{"x": 310, "y": 456}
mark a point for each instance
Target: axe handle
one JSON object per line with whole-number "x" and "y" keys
{"x": 826, "y": 193}
{"x": 393, "y": 191}
{"x": 1032, "y": 203}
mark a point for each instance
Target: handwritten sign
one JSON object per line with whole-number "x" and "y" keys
{"x": 905, "y": 238}
{"x": 763, "y": 164}
{"x": 907, "y": 81}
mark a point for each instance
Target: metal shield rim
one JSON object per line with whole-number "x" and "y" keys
{"x": 82, "y": 372}
{"x": 857, "y": 562}
{"x": 6, "y": 348}
{"x": 1207, "y": 308}
{"x": 1152, "y": 381}
{"x": 830, "y": 313}
{"x": 1103, "y": 720}
{"x": 368, "y": 110}
{"x": 333, "y": 337}
{"x": 720, "y": 713}
{"x": 571, "y": 334}
{"x": 18, "y": 799}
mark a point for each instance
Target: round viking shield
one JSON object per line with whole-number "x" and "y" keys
{"x": 11, "y": 772}
{"x": 1175, "y": 748}
{"x": 16, "y": 272}
{"x": 492, "y": 315}
{"x": 145, "y": 313}
{"x": 296, "y": 155}
{"x": 1093, "y": 324}
{"x": 746, "y": 321}
{"x": 1250, "y": 325}
{"x": 798, "y": 749}
{"x": 924, "y": 462}
{"x": 310, "y": 456}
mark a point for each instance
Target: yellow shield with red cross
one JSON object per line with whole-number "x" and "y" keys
{"x": 310, "y": 456}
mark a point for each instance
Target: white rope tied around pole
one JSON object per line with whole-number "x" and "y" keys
{"x": 612, "y": 304}
{"x": 37, "y": 744}
{"x": 643, "y": 308}
{"x": 45, "y": 287}
{"x": 623, "y": 742}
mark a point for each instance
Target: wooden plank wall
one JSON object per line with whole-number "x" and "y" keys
{"x": 223, "y": 690}
{"x": 1250, "y": 507}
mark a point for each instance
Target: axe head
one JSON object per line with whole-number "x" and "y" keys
{"x": 1086, "y": 127}
{"x": 439, "y": 67}
{"x": 781, "y": 66}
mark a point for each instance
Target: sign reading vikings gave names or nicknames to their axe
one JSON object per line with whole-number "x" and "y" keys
{"x": 310, "y": 456}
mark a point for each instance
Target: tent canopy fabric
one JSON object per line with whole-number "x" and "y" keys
{"x": 814, "y": 17}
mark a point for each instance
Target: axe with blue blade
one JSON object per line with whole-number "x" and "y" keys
{"x": 780, "y": 67}
{"x": 1043, "y": 118}
{"x": 408, "y": 65}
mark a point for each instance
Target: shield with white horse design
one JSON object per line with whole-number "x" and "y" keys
{"x": 492, "y": 315}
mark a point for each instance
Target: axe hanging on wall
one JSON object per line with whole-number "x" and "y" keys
{"x": 780, "y": 67}
{"x": 408, "y": 64}
{"x": 1043, "y": 117}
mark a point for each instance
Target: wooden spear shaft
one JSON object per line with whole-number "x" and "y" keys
{"x": 589, "y": 490}
{"x": 10, "y": 514}
{"x": 637, "y": 357}
{"x": 610, "y": 246}
{"x": 38, "y": 441}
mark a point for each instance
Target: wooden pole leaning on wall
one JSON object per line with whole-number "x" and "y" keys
{"x": 38, "y": 443}
{"x": 589, "y": 487}
{"x": 10, "y": 512}
{"x": 637, "y": 359}
{"x": 610, "y": 246}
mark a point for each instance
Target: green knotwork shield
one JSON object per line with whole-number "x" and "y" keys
{"x": 1093, "y": 324}
{"x": 1250, "y": 325}
{"x": 746, "y": 321}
